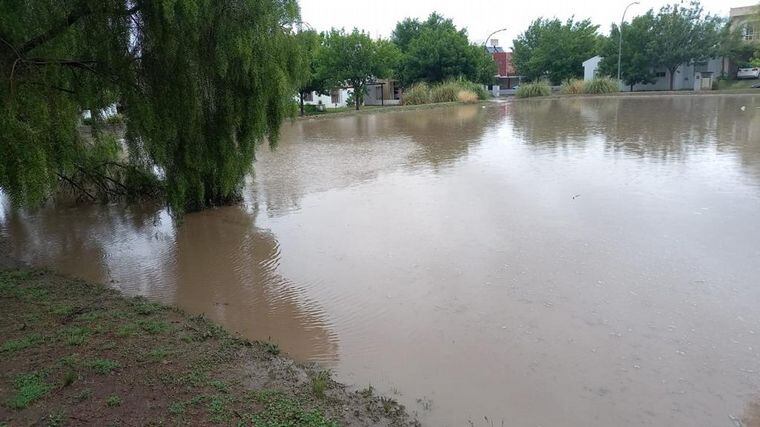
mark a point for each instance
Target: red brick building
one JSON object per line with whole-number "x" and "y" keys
{"x": 507, "y": 77}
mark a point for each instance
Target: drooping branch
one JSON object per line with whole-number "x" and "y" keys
{"x": 79, "y": 12}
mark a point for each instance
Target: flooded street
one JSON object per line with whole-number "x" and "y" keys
{"x": 575, "y": 262}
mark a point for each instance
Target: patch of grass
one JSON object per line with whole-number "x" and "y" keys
{"x": 467, "y": 97}
{"x": 28, "y": 388}
{"x": 21, "y": 343}
{"x": 70, "y": 361}
{"x": 76, "y": 335}
{"x": 417, "y": 94}
{"x": 271, "y": 348}
{"x": 221, "y": 386}
{"x": 319, "y": 383}
{"x": 572, "y": 87}
{"x": 145, "y": 308}
{"x": 601, "y": 85}
{"x": 103, "y": 366}
{"x": 157, "y": 354}
{"x": 55, "y": 419}
{"x": 280, "y": 410}
{"x": 531, "y": 90}
{"x": 178, "y": 408}
{"x": 153, "y": 327}
{"x": 218, "y": 408}
{"x": 127, "y": 330}
{"x": 113, "y": 401}
{"x": 83, "y": 395}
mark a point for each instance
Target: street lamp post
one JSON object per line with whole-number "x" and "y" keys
{"x": 485, "y": 44}
{"x": 620, "y": 39}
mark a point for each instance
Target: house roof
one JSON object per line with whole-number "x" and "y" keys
{"x": 494, "y": 49}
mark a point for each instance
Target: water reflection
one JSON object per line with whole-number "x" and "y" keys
{"x": 217, "y": 263}
{"x": 346, "y": 151}
{"x": 661, "y": 128}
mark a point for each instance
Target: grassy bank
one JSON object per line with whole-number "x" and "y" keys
{"x": 79, "y": 353}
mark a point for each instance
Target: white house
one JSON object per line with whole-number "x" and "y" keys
{"x": 684, "y": 78}
{"x": 335, "y": 99}
{"x": 590, "y": 67}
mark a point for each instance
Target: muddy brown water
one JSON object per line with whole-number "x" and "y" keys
{"x": 575, "y": 262}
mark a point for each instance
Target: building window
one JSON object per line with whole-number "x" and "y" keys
{"x": 748, "y": 33}
{"x": 335, "y": 96}
{"x": 659, "y": 74}
{"x": 309, "y": 97}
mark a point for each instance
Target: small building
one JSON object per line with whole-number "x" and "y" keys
{"x": 591, "y": 67}
{"x": 507, "y": 77}
{"x": 685, "y": 76}
{"x": 336, "y": 98}
{"x": 383, "y": 92}
{"x": 746, "y": 20}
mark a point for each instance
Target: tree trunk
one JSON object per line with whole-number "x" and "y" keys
{"x": 631, "y": 87}
{"x": 301, "y": 96}
{"x": 672, "y": 72}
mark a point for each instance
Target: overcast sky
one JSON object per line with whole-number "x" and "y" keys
{"x": 480, "y": 17}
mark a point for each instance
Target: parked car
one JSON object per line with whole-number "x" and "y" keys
{"x": 756, "y": 86}
{"x": 748, "y": 73}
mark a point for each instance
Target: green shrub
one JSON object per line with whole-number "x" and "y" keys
{"x": 417, "y": 94}
{"x": 476, "y": 88}
{"x": 601, "y": 85}
{"x": 530, "y": 90}
{"x": 573, "y": 87}
{"x": 445, "y": 92}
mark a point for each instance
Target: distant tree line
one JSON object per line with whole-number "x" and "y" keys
{"x": 428, "y": 51}
{"x": 676, "y": 34}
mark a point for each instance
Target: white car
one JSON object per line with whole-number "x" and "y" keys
{"x": 748, "y": 73}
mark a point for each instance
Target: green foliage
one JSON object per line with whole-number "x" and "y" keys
{"x": 354, "y": 59}
{"x": 572, "y": 87}
{"x": 601, "y": 85}
{"x": 113, "y": 401}
{"x": 28, "y": 388}
{"x": 554, "y": 50}
{"x": 319, "y": 383}
{"x": 103, "y": 366}
{"x": 434, "y": 50}
{"x": 637, "y": 60}
{"x": 280, "y": 410}
{"x": 448, "y": 91}
{"x": 309, "y": 78}
{"x": 530, "y": 90}
{"x": 683, "y": 33}
{"x": 21, "y": 343}
{"x": 444, "y": 92}
{"x": 201, "y": 83}
{"x": 418, "y": 94}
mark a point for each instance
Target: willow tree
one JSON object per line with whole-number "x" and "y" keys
{"x": 200, "y": 84}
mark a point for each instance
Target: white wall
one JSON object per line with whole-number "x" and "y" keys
{"x": 684, "y": 77}
{"x": 590, "y": 66}
{"x": 326, "y": 100}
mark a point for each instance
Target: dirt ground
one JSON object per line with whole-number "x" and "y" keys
{"x": 76, "y": 353}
